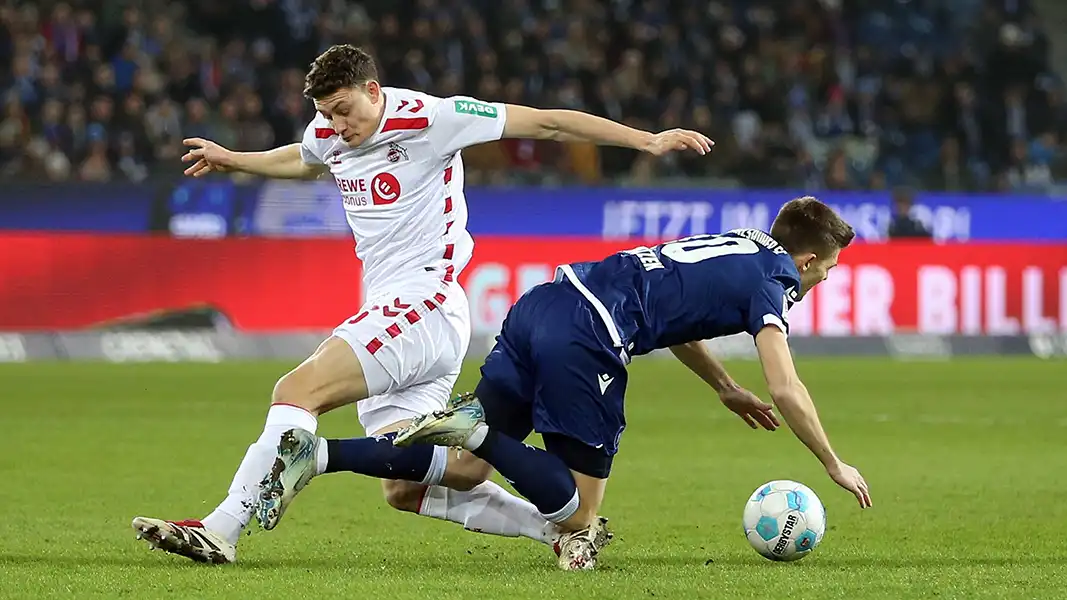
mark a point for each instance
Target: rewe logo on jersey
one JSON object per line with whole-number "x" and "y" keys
{"x": 477, "y": 109}
{"x": 384, "y": 189}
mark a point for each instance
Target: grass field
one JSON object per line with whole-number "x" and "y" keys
{"x": 966, "y": 461}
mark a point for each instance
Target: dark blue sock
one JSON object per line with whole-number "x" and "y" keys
{"x": 378, "y": 457}
{"x": 539, "y": 476}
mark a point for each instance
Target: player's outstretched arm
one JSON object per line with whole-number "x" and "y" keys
{"x": 576, "y": 126}
{"x": 284, "y": 162}
{"x": 798, "y": 410}
{"x": 753, "y": 411}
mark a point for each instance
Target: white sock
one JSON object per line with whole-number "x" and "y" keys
{"x": 488, "y": 508}
{"x": 322, "y": 457}
{"x": 234, "y": 513}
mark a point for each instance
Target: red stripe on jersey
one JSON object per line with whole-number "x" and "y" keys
{"x": 439, "y": 298}
{"x": 448, "y": 175}
{"x": 429, "y": 304}
{"x": 393, "y": 330}
{"x": 323, "y": 133}
{"x": 448, "y": 205}
{"x": 450, "y": 249}
{"x": 374, "y": 345}
{"x": 405, "y": 124}
{"x": 412, "y": 317}
{"x": 448, "y": 226}
{"x": 449, "y": 272}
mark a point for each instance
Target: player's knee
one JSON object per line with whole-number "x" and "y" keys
{"x": 289, "y": 390}
{"x": 330, "y": 378}
{"x": 403, "y": 495}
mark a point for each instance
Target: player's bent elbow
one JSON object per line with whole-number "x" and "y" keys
{"x": 784, "y": 394}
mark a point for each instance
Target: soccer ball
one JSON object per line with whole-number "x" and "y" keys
{"x": 784, "y": 520}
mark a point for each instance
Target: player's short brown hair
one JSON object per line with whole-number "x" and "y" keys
{"x": 807, "y": 225}
{"x": 340, "y": 66}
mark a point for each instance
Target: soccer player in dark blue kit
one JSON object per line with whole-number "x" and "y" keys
{"x": 559, "y": 365}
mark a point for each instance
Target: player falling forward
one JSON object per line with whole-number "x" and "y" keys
{"x": 395, "y": 155}
{"x": 559, "y": 365}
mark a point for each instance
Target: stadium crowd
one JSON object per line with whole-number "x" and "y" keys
{"x": 841, "y": 94}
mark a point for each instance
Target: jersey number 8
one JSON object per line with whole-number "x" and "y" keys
{"x": 699, "y": 248}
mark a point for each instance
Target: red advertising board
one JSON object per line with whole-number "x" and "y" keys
{"x": 72, "y": 281}
{"x": 56, "y": 281}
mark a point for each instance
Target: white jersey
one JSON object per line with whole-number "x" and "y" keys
{"x": 402, "y": 188}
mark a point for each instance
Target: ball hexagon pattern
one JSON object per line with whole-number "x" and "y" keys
{"x": 784, "y": 520}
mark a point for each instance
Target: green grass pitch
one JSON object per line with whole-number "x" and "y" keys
{"x": 966, "y": 460}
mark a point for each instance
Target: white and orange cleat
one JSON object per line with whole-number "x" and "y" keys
{"x": 186, "y": 538}
{"x": 578, "y": 550}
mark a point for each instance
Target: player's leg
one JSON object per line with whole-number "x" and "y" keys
{"x": 565, "y": 483}
{"x": 585, "y": 532}
{"x": 433, "y": 481}
{"x": 332, "y": 376}
{"x": 464, "y": 496}
{"x": 343, "y": 370}
{"x": 483, "y": 508}
{"x": 404, "y": 343}
{"x": 431, "y": 348}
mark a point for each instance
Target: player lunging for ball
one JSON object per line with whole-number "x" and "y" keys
{"x": 559, "y": 365}
{"x": 395, "y": 155}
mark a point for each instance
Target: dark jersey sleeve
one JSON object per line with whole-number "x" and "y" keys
{"x": 768, "y": 306}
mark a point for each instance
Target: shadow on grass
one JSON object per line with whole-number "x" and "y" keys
{"x": 883, "y": 562}
{"x": 483, "y": 562}
{"x": 470, "y": 562}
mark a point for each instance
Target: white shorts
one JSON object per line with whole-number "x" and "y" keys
{"x": 410, "y": 340}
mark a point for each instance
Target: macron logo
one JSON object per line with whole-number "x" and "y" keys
{"x": 604, "y": 380}
{"x": 477, "y": 109}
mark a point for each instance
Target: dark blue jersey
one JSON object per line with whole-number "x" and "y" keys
{"x": 696, "y": 288}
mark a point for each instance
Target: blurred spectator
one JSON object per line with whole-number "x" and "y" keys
{"x": 820, "y": 94}
{"x": 904, "y": 225}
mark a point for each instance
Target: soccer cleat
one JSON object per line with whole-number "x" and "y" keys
{"x": 186, "y": 538}
{"x": 293, "y": 469}
{"x": 578, "y": 550}
{"x": 451, "y": 426}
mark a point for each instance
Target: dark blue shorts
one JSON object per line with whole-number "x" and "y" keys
{"x": 555, "y": 370}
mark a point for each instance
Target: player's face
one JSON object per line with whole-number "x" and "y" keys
{"x": 814, "y": 269}
{"x": 354, "y": 112}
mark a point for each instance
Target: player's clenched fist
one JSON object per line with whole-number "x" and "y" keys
{"x": 849, "y": 478}
{"x": 207, "y": 157}
{"x": 678, "y": 139}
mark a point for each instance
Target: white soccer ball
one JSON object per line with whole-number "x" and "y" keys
{"x": 784, "y": 520}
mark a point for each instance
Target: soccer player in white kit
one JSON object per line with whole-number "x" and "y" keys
{"x": 395, "y": 155}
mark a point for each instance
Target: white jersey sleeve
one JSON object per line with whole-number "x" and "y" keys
{"x": 317, "y": 135}
{"x": 460, "y": 121}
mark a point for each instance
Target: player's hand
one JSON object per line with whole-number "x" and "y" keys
{"x": 849, "y": 478}
{"x": 678, "y": 139}
{"x": 751, "y": 409}
{"x": 207, "y": 157}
